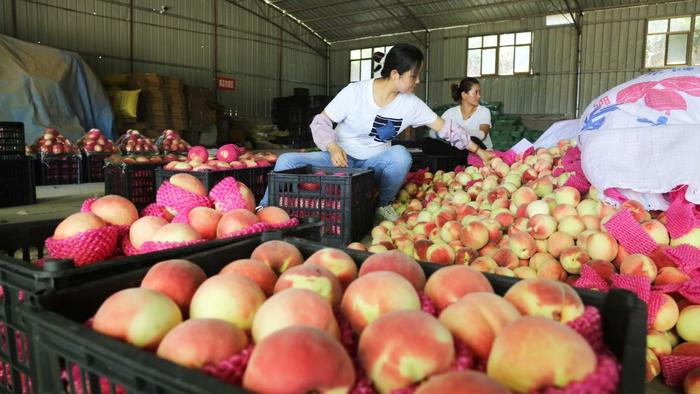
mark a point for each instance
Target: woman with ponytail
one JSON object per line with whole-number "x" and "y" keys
{"x": 474, "y": 118}
{"x": 369, "y": 115}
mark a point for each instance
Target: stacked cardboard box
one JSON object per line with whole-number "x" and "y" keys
{"x": 201, "y": 107}
{"x": 175, "y": 97}
{"x": 152, "y": 101}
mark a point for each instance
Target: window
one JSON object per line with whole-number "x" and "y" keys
{"x": 668, "y": 42}
{"x": 558, "y": 20}
{"x": 361, "y": 64}
{"x": 499, "y": 54}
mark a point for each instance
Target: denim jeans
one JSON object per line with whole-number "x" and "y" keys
{"x": 390, "y": 169}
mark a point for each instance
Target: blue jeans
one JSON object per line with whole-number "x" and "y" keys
{"x": 390, "y": 168}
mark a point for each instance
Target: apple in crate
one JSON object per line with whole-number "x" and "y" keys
{"x": 178, "y": 279}
{"x": 198, "y": 153}
{"x": 95, "y": 142}
{"x": 53, "y": 142}
{"x": 227, "y": 153}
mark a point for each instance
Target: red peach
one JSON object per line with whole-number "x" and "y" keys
{"x": 657, "y": 231}
{"x": 255, "y": 270}
{"x": 484, "y": 264}
{"x": 420, "y": 249}
{"x": 667, "y": 315}
{"x": 205, "y": 220}
{"x": 639, "y": 265}
{"x": 523, "y": 245}
{"x": 200, "y": 342}
{"x": 542, "y": 226}
{"x": 525, "y": 272}
{"x": 176, "y": 232}
{"x": 461, "y": 382}
{"x": 115, "y": 210}
{"x": 658, "y": 343}
{"x": 637, "y": 210}
{"x": 653, "y": 366}
{"x": 688, "y": 325}
{"x": 234, "y": 221}
{"x": 691, "y": 383}
{"x": 230, "y": 297}
{"x": 312, "y": 277}
{"x": 563, "y": 210}
{"x": 272, "y": 215}
{"x": 567, "y": 195}
{"x": 690, "y": 349}
{"x": 601, "y": 246}
{"x": 548, "y": 298}
{"x": 506, "y": 258}
{"x": 474, "y": 235}
{"x": 144, "y": 228}
{"x": 669, "y": 275}
{"x": 357, "y": 246}
{"x": 279, "y": 255}
{"x": 603, "y": 268}
{"x": 419, "y": 346}
{"x": 448, "y": 284}
{"x": 376, "y": 294}
{"x": 592, "y": 222}
{"x": 190, "y": 183}
{"x": 572, "y": 225}
{"x": 337, "y": 261}
{"x": 294, "y": 307}
{"x": 465, "y": 255}
{"x": 76, "y": 224}
{"x": 573, "y": 258}
{"x": 304, "y": 360}
{"x": 177, "y": 279}
{"x": 396, "y": 262}
{"x": 559, "y": 241}
{"x": 552, "y": 270}
{"x": 440, "y": 254}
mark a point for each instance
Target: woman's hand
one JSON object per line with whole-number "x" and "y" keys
{"x": 485, "y": 155}
{"x": 338, "y": 156}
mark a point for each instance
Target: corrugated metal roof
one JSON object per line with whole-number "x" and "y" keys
{"x": 338, "y": 20}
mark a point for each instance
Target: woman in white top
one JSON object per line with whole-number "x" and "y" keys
{"x": 474, "y": 118}
{"x": 369, "y": 115}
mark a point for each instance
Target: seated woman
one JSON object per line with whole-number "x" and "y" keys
{"x": 369, "y": 115}
{"x": 474, "y": 118}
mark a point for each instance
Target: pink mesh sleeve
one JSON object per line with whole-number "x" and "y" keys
{"x": 322, "y": 131}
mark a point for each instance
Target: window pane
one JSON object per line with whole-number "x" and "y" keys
{"x": 677, "y": 47}
{"x": 522, "y": 59}
{"x": 558, "y": 20}
{"x": 658, "y": 26}
{"x": 488, "y": 61}
{"x": 367, "y": 53}
{"x": 696, "y": 48}
{"x": 379, "y": 49}
{"x": 680, "y": 24}
{"x": 507, "y": 39}
{"x": 697, "y": 22}
{"x": 490, "y": 41}
{"x": 354, "y": 71}
{"x": 474, "y": 63}
{"x": 523, "y": 38}
{"x": 366, "y": 69}
{"x": 505, "y": 60}
{"x": 656, "y": 46}
{"x": 354, "y": 54}
{"x": 474, "y": 42}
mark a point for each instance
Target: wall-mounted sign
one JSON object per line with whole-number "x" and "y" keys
{"x": 224, "y": 83}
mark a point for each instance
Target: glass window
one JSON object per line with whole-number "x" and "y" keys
{"x": 656, "y": 48}
{"x": 354, "y": 71}
{"x": 657, "y": 26}
{"x": 677, "y": 48}
{"x": 501, "y": 54}
{"x": 475, "y": 42}
{"x": 507, "y": 39}
{"x": 474, "y": 63}
{"x": 522, "y": 59}
{"x": 488, "y": 61}
{"x": 490, "y": 41}
{"x": 558, "y": 20}
{"x": 362, "y": 64}
{"x": 354, "y": 54}
{"x": 505, "y": 60}
{"x": 669, "y": 42}
{"x": 680, "y": 24}
{"x": 523, "y": 38}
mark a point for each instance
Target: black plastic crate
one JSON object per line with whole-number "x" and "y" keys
{"x": 11, "y": 140}
{"x": 136, "y": 182}
{"x": 63, "y": 169}
{"x": 61, "y": 337}
{"x": 344, "y": 203}
{"x": 93, "y": 167}
{"x": 437, "y": 162}
{"x": 22, "y": 243}
{"x": 255, "y": 178}
{"x": 17, "y": 180}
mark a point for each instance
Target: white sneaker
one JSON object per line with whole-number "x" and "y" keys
{"x": 258, "y": 208}
{"x": 386, "y": 212}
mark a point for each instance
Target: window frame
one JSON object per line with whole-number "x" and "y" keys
{"x": 373, "y": 64}
{"x": 689, "y": 34}
{"x": 498, "y": 46}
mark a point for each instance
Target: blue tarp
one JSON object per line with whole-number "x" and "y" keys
{"x": 44, "y": 87}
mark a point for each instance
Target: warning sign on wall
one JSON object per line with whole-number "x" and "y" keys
{"x": 224, "y": 83}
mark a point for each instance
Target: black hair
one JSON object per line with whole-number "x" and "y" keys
{"x": 465, "y": 85}
{"x": 401, "y": 57}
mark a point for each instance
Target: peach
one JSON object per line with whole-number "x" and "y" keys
{"x": 658, "y": 343}
{"x": 667, "y": 315}
{"x": 376, "y": 294}
{"x": 525, "y": 272}
{"x": 140, "y": 317}
{"x": 691, "y": 383}
{"x": 591, "y": 222}
{"x": 691, "y": 349}
{"x": 357, "y": 246}
{"x": 552, "y": 270}
{"x": 448, "y": 284}
{"x": 272, "y": 215}
{"x": 461, "y": 382}
{"x": 637, "y": 210}
{"x": 190, "y": 183}
{"x": 692, "y": 238}
{"x": 494, "y": 228}
{"x": 542, "y": 187}
{"x": 657, "y": 231}
{"x": 230, "y": 297}
{"x": 279, "y": 255}
{"x": 521, "y": 372}
{"x": 559, "y": 241}
{"x": 450, "y": 231}
{"x": 420, "y": 249}
{"x": 572, "y": 225}
{"x": 419, "y": 346}
{"x": 621, "y": 255}
{"x": 523, "y": 245}
{"x": 235, "y": 220}
{"x": 540, "y": 258}
{"x": 567, "y": 195}
{"x": 505, "y": 258}
{"x": 444, "y": 216}
{"x": 255, "y": 270}
{"x": 548, "y": 298}
{"x": 465, "y": 255}
{"x": 688, "y": 325}
{"x": 669, "y": 275}
{"x": 487, "y": 315}
{"x": 303, "y": 359}
{"x": 538, "y": 207}
{"x": 337, "y": 261}
{"x": 176, "y": 232}
{"x": 484, "y": 264}
{"x": 490, "y": 248}
{"x": 563, "y": 210}
{"x": 440, "y": 254}
{"x": 143, "y": 229}
{"x": 573, "y": 258}
{"x": 312, "y": 277}
{"x": 115, "y": 210}
{"x": 542, "y": 226}
{"x": 205, "y": 220}
{"x": 200, "y": 342}
{"x": 523, "y": 196}
{"x": 294, "y": 307}
{"x": 396, "y": 262}
{"x": 589, "y": 207}
{"x": 603, "y": 268}
{"x": 639, "y": 265}
{"x": 177, "y": 279}
{"x": 474, "y": 235}
{"x": 601, "y": 246}
{"x": 661, "y": 259}
{"x": 653, "y": 366}
{"x": 77, "y": 223}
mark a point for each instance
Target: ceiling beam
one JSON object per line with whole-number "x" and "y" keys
{"x": 400, "y": 19}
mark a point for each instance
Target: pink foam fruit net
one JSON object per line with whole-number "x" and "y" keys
{"x": 227, "y": 195}
{"x": 86, "y": 247}
{"x": 180, "y": 200}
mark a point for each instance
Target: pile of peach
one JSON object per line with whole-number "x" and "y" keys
{"x": 522, "y": 221}
{"x": 307, "y": 319}
{"x": 227, "y": 157}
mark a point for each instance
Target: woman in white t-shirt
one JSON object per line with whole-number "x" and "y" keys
{"x": 369, "y": 115}
{"x": 474, "y": 118}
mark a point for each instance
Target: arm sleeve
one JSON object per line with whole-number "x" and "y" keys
{"x": 322, "y": 131}
{"x": 455, "y": 134}
{"x": 338, "y": 108}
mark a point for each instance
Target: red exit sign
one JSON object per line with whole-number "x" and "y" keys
{"x": 224, "y": 83}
